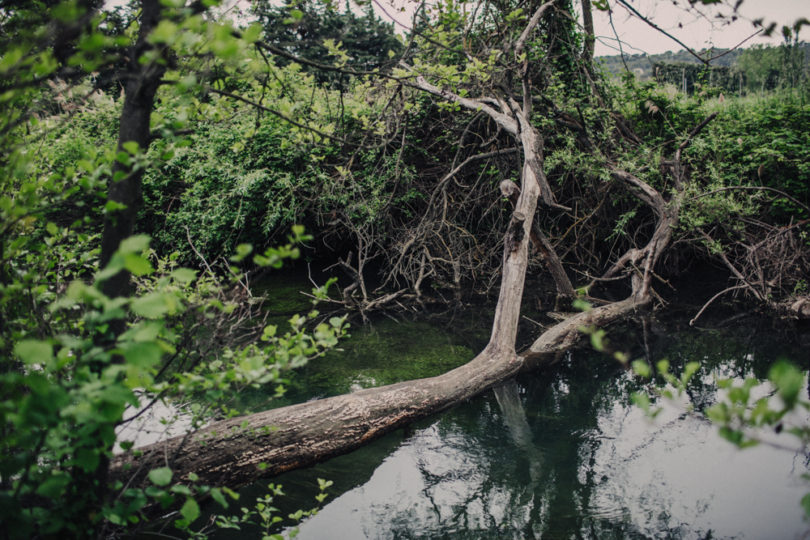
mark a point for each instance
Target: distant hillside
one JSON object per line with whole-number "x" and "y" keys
{"x": 642, "y": 64}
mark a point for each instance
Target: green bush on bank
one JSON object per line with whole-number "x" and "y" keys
{"x": 231, "y": 183}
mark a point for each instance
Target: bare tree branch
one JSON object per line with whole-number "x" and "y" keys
{"x": 500, "y": 118}
{"x": 635, "y": 12}
{"x": 533, "y": 22}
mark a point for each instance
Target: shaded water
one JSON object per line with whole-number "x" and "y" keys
{"x": 556, "y": 454}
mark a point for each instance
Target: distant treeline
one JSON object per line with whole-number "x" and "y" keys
{"x": 740, "y": 71}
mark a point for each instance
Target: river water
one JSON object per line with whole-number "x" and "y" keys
{"x": 560, "y": 453}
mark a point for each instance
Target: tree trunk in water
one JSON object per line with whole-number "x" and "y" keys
{"x": 231, "y": 451}
{"x": 237, "y": 451}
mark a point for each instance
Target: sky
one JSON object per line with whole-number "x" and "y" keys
{"x": 696, "y": 28}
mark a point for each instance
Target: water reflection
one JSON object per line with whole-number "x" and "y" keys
{"x": 564, "y": 455}
{"x": 677, "y": 476}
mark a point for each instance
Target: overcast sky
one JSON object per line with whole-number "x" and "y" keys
{"x": 697, "y": 28}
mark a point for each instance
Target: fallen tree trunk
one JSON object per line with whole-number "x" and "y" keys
{"x": 561, "y": 337}
{"x": 232, "y": 452}
{"x": 235, "y": 452}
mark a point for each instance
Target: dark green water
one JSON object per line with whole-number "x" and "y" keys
{"x": 556, "y": 454}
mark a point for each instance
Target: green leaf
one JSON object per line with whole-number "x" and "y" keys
{"x": 689, "y": 371}
{"x": 718, "y": 413}
{"x": 217, "y": 495}
{"x": 151, "y": 306}
{"x": 641, "y": 368}
{"x": 53, "y": 486}
{"x": 164, "y": 32}
{"x": 581, "y": 305}
{"x": 135, "y": 244}
{"x": 231, "y": 493}
{"x": 180, "y": 489}
{"x": 252, "y": 33}
{"x": 114, "y": 206}
{"x": 143, "y": 331}
{"x": 86, "y": 459}
{"x": 324, "y": 484}
{"x": 806, "y": 505}
{"x": 131, "y": 147}
{"x": 161, "y": 476}
{"x": 190, "y": 510}
{"x": 115, "y": 265}
{"x": 33, "y": 351}
{"x": 93, "y": 42}
{"x": 337, "y": 322}
{"x": 184, "y": 275}
{"x": 733, "y": 436}
{"x": 242, "y": 251}
{"x": 137, "y": 264}
{"x": 788, "y": 381}
{"x": 123, "y": 158}
{"x": 143, "y": 354}
{"x": 514, "y": 15}
{"x": 598, "y": 341}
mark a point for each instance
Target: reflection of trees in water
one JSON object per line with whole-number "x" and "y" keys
{"x": 525, "y": 463}
{"x": 485, "y": 469}
{"x": 539, "y": 457}
{"x": 472, "y": 481}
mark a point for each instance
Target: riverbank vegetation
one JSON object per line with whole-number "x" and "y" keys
{"x": 158, "y": 158}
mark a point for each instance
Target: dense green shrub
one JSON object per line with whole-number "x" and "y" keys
{"x": 232, "y": 183}
{"x": 765, "y": 142}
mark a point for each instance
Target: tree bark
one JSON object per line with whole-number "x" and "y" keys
{"x": 587, "y": 27}
{"x": 142, "y": 82}
{"x": 543, "y": 246}
{"x": 237, "y": 451}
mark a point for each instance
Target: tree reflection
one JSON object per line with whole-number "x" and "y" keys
{"x": 563, "y": 454}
